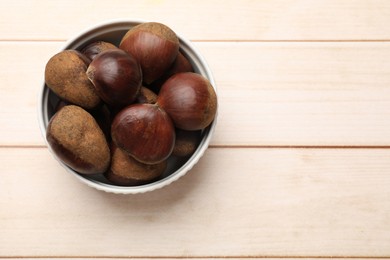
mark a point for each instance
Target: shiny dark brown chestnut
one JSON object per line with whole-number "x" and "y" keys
{"x": 154, "y": 45}
{"x": 189, "y": 99}
{"x": 145, "y": 132}
{"x": 117, "y": 77}
{"x": 181, "y": 64}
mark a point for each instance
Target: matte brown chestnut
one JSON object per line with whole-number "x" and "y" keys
{"x": 117, "y": 77}
{"x": 144, "y": 131}
{"x": 154, "y": 45}
{"x": 65, "y": 76}
{"x": 94, "y": 48}
{"x": 77, "y": 140}
{"x": 127, "y": 171}
{"x": 189, "y": 99}
{"x": 101, "y": 114}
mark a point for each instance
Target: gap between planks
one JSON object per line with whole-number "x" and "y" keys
{"x": 194, "y": 257}
{"x": 227, "y": 40}
{"x": 242, "y": 147}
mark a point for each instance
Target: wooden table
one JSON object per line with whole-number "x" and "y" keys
{"x": 299, "y": 165}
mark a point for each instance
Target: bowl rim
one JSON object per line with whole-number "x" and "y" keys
{"x": 111, "y": 188}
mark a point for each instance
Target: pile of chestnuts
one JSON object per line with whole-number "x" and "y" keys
{"x": 124, "y": 110}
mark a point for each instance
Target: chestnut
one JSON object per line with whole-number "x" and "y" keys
{"x": 77, "y": 140}
{"x": 189, "y": 99}
{"x": 186, "y": 142}
{"x": 181, "y": 64}
{"x": 144, "y": 131}
{"x": 146, "y": 96}
{"x": 94, "y": 48}
{"x": 154, "y": 45}
{"x": 101, "y": 114}
{"x": 127, "y": 171}
{"x": 65, "y": 76}
{"x": 117, "y": 77}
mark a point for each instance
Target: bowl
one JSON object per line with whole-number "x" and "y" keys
{"x": 113, "y": 31}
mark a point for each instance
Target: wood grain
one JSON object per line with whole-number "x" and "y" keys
{"x": 270, "y": 94}
{"x": 205, "y": 20}
{"x": 286, "y": 202}
{"x": 22, "y": 69}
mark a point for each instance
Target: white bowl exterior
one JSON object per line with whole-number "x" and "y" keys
{"x": 111, "y": 29}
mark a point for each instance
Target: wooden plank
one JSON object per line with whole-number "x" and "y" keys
{"x": 205, "y": 20}
{"x": 195, "y": 258}
{"x": 303, "y": 94}
{"x": 235, "y": 202}
{"x": 309, "y": 94}
{"x": 22, "y": 67}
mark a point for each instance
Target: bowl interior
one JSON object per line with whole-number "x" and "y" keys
{"x": 113, "y": 32}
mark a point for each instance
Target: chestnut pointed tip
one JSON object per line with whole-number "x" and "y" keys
{"x": 90, "y": 73}
{"x": 116, "y": 76}
{"x": 154, "y": 45}
{"x": 65, "y": 76}
{"x": 70, "y": 133}
{"x": 145, "y": 131}
{"x": 93, "y": 49}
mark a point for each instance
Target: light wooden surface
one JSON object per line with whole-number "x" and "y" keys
{"x": 299, "y": 165}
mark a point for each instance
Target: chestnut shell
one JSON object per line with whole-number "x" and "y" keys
{"x": 127, "y": 171}
{"x": 94, "y": 48}
{"x": 189, "y": 99}
{"x": 145, "y": 131}
{"x": 186, "y": 142}
{"x": 146, "y": 96}
{"x": 154, "y": 45}
{"x": 117, "y": 77}
{"x": 65, "y": 76}
{"x": 181, "y": 64}
{"x": 76, "y": 139}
